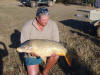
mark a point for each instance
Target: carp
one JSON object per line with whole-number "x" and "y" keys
{"x": 44, "y": 48}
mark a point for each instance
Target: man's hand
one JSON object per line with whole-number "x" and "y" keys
{"x": 54, "y": 54}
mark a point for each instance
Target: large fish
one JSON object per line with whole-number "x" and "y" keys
{"x": 44, "y": 48}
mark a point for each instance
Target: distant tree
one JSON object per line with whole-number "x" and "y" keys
{"x": 60, "y": 1}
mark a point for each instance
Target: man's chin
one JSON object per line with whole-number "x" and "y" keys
{"x": 44, "y": 25}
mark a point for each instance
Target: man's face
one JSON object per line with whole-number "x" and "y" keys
{"x": 43, "y": 20}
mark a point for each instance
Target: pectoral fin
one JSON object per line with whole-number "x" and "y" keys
{"x": 44, "y": 59}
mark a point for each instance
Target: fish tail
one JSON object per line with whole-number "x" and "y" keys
{"x": 68, "y": 61}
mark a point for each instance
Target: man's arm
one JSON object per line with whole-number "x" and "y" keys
{"x": 55, "y": 32}
{"x": 25, "y": 33}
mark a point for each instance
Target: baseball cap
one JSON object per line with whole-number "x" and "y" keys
{"x": 42, "y": 10}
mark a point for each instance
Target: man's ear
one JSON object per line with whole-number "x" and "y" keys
{"x": 37, "y": 18}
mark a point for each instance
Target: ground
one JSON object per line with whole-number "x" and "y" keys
{"x": 75, "y": 29}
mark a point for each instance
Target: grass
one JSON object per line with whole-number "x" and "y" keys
{"x": 83, "y": 46}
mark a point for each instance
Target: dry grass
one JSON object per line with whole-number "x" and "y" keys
{"x": 75, "y": 31}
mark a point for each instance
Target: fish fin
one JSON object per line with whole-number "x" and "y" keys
{"x": 44, "y": 59}
{"x": 68, "y": 61}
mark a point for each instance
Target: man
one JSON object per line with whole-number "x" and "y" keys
{"x": 42, "y": 27}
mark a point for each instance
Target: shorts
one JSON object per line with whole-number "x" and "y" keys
{"x": 32, "y": 61}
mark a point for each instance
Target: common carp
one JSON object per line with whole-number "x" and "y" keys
{"x": 44, "y": 48}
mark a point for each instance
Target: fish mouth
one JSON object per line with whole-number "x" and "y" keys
{"x": 19, "y": 50}
{"x": 23, "y": 50}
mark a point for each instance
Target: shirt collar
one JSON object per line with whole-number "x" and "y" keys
{"x": 34, "y": 24}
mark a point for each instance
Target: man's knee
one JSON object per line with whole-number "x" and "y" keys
{"x": 54, "y": 57}
{"x": 33, "y": 69}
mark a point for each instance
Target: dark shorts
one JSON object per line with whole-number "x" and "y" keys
{"x": 32, "y": 61}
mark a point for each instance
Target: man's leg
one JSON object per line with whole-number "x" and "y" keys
{"x": 33, "y": 65}
{"x": 50, "y": 63}
{"x": 33, "y": 69}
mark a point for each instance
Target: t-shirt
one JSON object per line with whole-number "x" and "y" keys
{"x": 49, "y": 32}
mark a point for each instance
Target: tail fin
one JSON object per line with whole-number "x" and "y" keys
{"x": 63, "y": 54}
{"x": 68, "y": 61}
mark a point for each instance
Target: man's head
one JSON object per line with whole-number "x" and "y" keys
{"x": 42, "y": 16}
